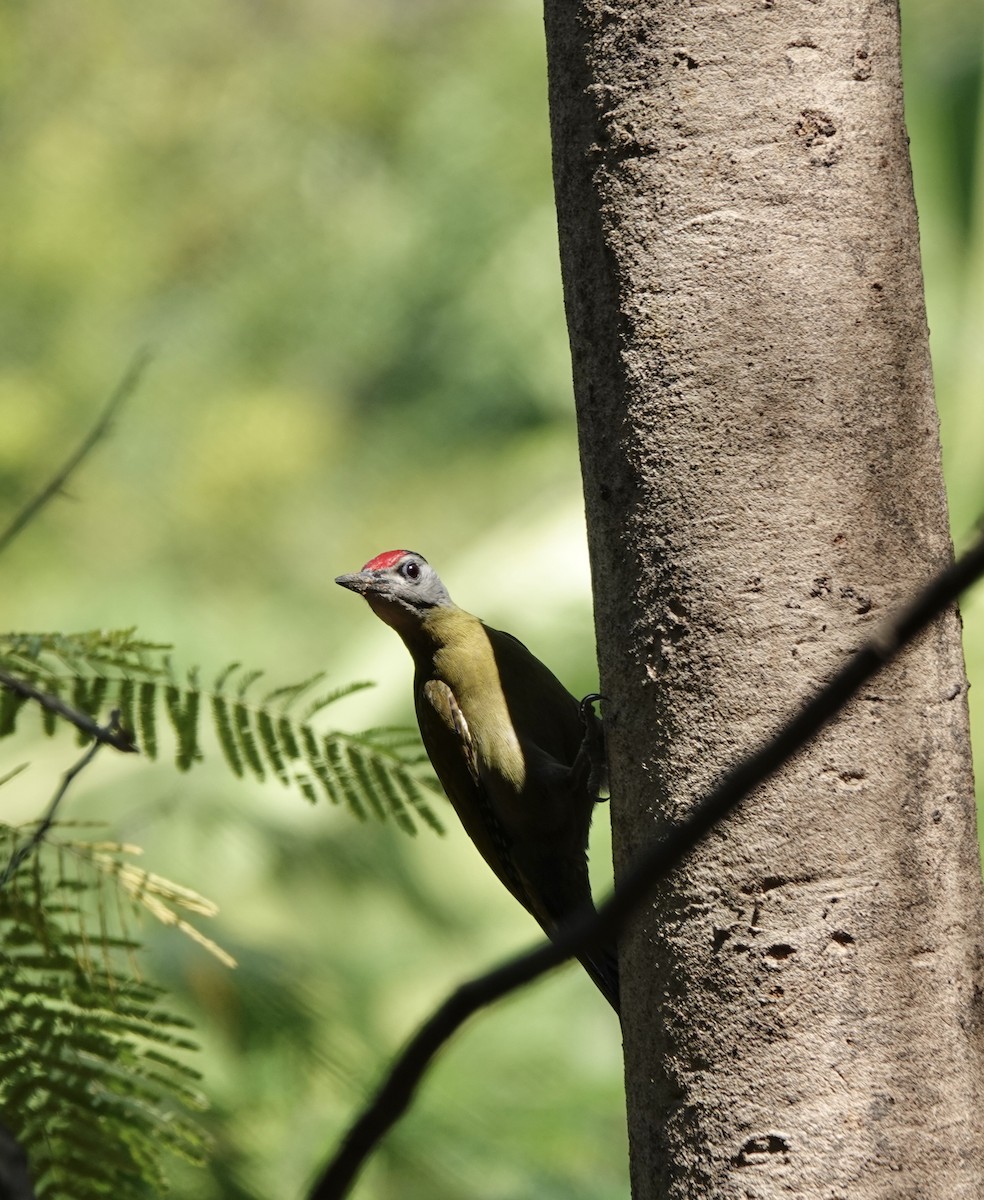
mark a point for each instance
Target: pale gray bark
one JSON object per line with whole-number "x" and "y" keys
{"x": 802, "y": 1008}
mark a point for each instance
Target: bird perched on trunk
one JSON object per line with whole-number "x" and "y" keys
{"x": 519, "y": 757}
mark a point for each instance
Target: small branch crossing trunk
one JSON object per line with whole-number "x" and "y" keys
{"x": 802, "y": 1007}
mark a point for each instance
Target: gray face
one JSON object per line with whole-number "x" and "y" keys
{"x": 397, "y": 585}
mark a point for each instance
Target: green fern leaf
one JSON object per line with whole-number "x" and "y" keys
{"x": 247, "y": 682}
{"x": 225, "y": 734}
{"x": 267, "y": 733}
{"x": 287, "y": 696}
{"x": 288, "y": 741}
{"x": 332, "y": 697}
{"x": 384, "y": 783}
{"x": 90, "y": 1084}
{"x": 184, "y": 721}
{"x": 49, "y": 722}
{"x": 10, "y": 706}
{"x": 124, "y": 702}
{"x": 417, "y": 797}
{"x": 247, "y": 740}
{"x": 273, "y": 735}
{"x": 335, "y": 759}
{"x": 318, "y": 766}
{"x": 223, "y": 677}
{"x": 362, "y": 774}
{"x": 89, "y": 695}
{"x": 308, "y": 789}
{"x": 147, "y": 695}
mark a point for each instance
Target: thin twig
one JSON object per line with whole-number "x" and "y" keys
{"x": 641, "y": 881}
{"x": 110, "y": 735}
{"x": 120, "y": 394}
{"x": 38, "y": 836}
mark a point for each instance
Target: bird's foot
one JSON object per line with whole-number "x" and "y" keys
{"x": 591, "y": 755}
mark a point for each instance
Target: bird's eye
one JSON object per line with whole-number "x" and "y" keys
{"x": 410, "y": 570}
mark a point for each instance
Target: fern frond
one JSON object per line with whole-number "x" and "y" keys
{"x": 147, "y": 716}
{"x": 91, "y": 1082}
{"x": 49, "y": 721}
{"x": 340, "y": 772}
{"x": 247, "y": 740}
{"x": 247, "y": 682}
{"x": 377, "y": 773}
{"x": 182, "y": 708}
{"x": 224, "y": 676}
{"x": 267, "y": 733}
{"x": 333, "y": 696}
{"x": 399, "y": 769}
{"x": 308, "y": 790}
{"x": 124, "y": 702}
{"x": 10, "y": 706}
{"x": 286, "y": 696}
{"x": 287, "y": 738}
{"x": 363, "y": 767}
{"x": 224, "y": 732}
{"x": 89, "y": 695}
{"x": 384, "y": 783}
{"x": 161, "y": 897}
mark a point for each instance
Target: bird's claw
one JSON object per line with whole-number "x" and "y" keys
{"x": 591, "y": 756}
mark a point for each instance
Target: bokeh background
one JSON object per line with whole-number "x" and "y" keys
{"x": 332, "y": 222}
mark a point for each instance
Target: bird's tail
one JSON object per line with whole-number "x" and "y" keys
{"x": 602, "y": 966}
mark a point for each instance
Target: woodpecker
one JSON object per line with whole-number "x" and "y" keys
{"x": 520, "y": 758}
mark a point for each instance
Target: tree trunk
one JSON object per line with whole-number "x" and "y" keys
{"x": 802, "y": 1007}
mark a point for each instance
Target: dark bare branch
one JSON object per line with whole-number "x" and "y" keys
{"x": 110, "y": 735}
{"x": 38, "y": 836}
{"x": 641, "y": 881}
{"x": 121, "y": 393}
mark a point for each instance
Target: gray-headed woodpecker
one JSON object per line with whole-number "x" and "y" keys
{"x": 519, "y": 757}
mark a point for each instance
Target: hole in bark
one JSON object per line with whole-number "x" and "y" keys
{"x": 842, "y": 937}
{"x": 757, "y": 1148}
{"x": 815, "y": 129}
{"x": 862, "y": 65}
{"x": 862, "y": 603}
{"x": 683, "y": 59}
{"x": 814, "y": 124}
{"x": 781, "y": 951}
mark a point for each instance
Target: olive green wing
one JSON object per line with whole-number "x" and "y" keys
{"x": 454, "y": 756}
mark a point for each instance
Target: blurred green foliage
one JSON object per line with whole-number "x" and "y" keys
{"x": 332, "y": 222}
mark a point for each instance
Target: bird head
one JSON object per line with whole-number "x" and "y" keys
{"x": 400, "y": 586}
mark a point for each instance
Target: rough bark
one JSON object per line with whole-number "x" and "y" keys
{"x": 802, "y": 1008}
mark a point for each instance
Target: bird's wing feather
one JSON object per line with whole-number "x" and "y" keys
{"x": 441, "y": 719}
{"x": 442, "y": 701}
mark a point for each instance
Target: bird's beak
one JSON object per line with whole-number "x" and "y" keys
{"x": 360, "y": 582}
